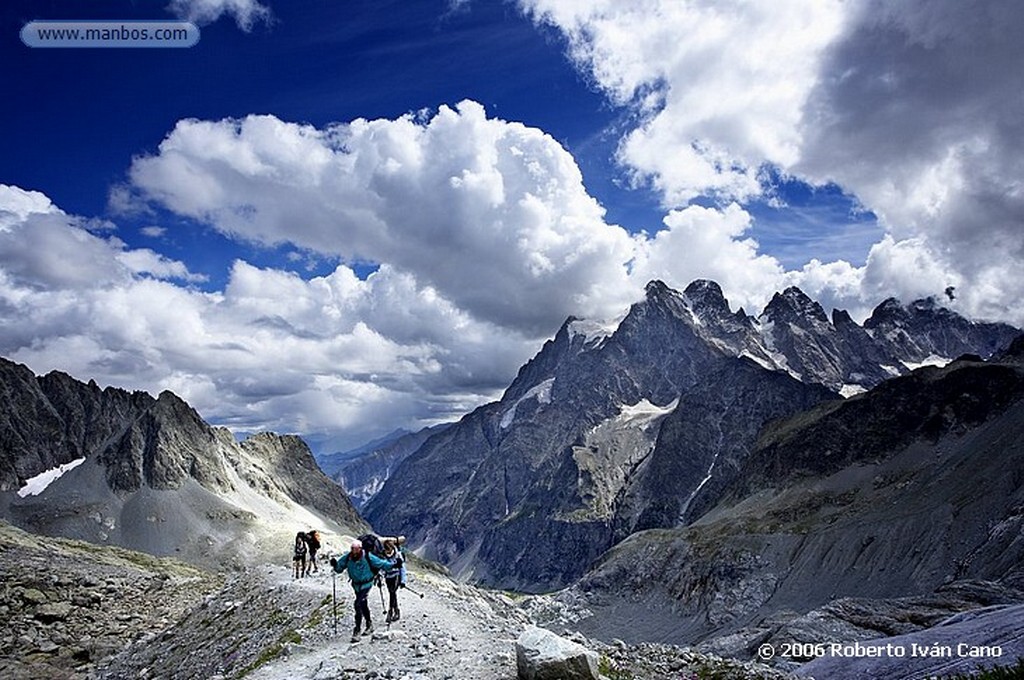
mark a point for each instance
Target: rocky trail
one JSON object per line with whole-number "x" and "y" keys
{"x": 451, "y": 632}
{"x": 78, "y": 611}
{"x": 265, "y": 625}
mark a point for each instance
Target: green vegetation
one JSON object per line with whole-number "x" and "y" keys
{"x": 275, "y": 650}
{"x": 317, "y": 617}
{"x": 276, "y": 617}
{"x": 609, "y": 669}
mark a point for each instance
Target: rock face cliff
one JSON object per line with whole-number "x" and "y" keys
{"x": 915, "y": 488}
{"x": 641, "y": 423}
{"x": 149, "y": 474}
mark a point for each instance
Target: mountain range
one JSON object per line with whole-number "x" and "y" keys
{"x": 363, "y": 471}
{"x": 839, "y": 517}
{"x": 685, "y": 474}
{"x": 125, "y": 468}
{"x": 643, "y": 423}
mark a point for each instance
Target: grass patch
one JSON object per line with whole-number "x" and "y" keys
{"x": 272, "y": 652}
{"x": 609, "y": 669}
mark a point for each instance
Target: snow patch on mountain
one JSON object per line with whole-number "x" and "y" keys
{"x": 765, "y": 328}
{"x": 541, "y": 392}
{"x": 36, "y": 485}
{"x": 930, "y": 360}
{"x": 610, "y": 451}
{"x": 847, "y": 391}
{"x": 644, "y": 413}
{"x": 594, "y": 331}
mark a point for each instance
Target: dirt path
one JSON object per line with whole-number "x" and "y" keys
{"x": 451, "y": 632}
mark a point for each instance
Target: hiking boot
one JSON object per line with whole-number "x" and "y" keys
{"x": 369, "y": 629}
{"x": 397, "y": 615}
{"x": 355, "y": 634}
{"x": 390, "y": 617}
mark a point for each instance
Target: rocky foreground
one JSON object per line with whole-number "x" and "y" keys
{"x": 76, "y": 610}
{"x": 69, "y": 605}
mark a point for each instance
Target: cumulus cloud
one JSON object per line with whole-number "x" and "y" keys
{"x": 912, "y": 107}
{"x": 44, "y": 248}
{"x": 719, "y": 85}
{"x": 493, "y": 215}
{"x": 247, "y": 13}
{"x": 700, "y": 242}
{"x": 336, "y": 358}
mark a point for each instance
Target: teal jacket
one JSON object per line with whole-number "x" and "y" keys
{"x": 359, "y": 570}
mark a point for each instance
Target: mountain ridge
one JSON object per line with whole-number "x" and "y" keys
{"x": 522, "y": 469}
{"x": 150, "y": 474}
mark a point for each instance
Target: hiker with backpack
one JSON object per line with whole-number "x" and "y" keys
{"x": 394, "y": 577}
{"x": 299, "y": 556}
{"x": 362, "y": 567}
{"x": 313, "y": 542}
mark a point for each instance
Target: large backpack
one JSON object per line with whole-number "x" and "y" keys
{"x": 300, "y": 546}
{"x": 372, "y": 545}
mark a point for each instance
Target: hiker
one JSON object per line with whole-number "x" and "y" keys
{"x": 313, "y": 542}
{"x": 360, "y": 565}
{"x": 299, "y": 556}
{"x": 394, "y": 577}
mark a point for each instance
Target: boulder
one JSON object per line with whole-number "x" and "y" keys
{"x": 542, "y": 655}
{"x": 51, "y": 613}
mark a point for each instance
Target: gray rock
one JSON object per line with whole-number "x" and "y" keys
{"x": 542, "y": 655}
{"x": 33, "y": 596}
{"x": 50, "y": 613}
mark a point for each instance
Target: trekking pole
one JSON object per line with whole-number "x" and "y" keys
{"x": 380, "y": 589}
{"x": 334, "y": 597}
{"x": 411, "y": 590}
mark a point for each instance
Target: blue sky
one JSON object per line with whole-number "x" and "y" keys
{"x": 338, "y": 218}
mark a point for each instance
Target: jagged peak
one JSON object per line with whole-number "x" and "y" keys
{"x": 793, "y": 302}
{"x": 706, "y": 294}
{"x": 930, "y": 306}
{"x": 656, "y": 288}
{"x": 841, "y": 317}
{"x": 888, "y": 310}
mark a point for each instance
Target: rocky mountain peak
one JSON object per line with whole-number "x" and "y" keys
{"x": 706, "y": 298}
{"x": 660, "y": 301}
{"x": 889, "y": 312}
{"x": 657, "y": 288}
{"x": 793, "y": 306}
{"x": 841, "y": 318}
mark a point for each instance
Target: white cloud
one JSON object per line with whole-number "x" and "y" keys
{"x": 145, "y": 261}
{"x": 709, "y": 243}
{"x": 720, "y": 85}
{"x": 492, "y": 215}
{"x": 16, "y": 204}
{"x": 912, "y": 107}
{"x": 247, "y": 13}
{"x": 335, "y": 358}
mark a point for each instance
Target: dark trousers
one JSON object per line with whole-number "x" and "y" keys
{"x": 392, "y": 584}
{"x": 362, "y": 608}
